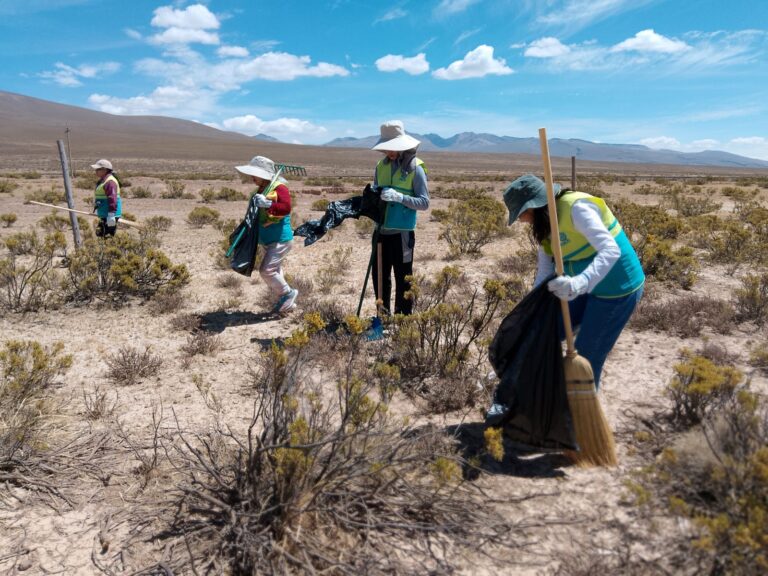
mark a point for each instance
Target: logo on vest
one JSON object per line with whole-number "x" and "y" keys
{"x": 564, "y": 238}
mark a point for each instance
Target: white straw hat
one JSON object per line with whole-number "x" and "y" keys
{"x": 261, "y": 167}
{"x": 102, "y": 164}
{"x": 394, "y": 139}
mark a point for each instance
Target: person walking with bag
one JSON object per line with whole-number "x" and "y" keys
{"x": 107, "y": 202}
{"x": 603, "y": 279}
{"x": 403, "y": 180}
{"x": 275, "y": 233}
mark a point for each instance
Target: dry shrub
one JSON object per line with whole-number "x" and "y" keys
{"x": 201, "y": 342}
{"x": 433, "y": 346}
{"x": 471, "y": 224}
{"x": 165, "y": 302}
{"x": 140, "y": 192}
{"x": 459, "y": 192}
{"x": 129, "y": 365}
{"x": 733, "y": 246}
{"x": 158, "y": 223}
{"x": 201, "y": 216}
{"x": 320, "y": 205}
{"x": 99, "y": 404}
{"x": 51, "y": 196}
{"x": 522, "y": 264}
{"x": 364, "y": 227}
{"x": 685, "y": 316}
{"x": 186, "y": 322}
{"x": 6, "y": 186}
{"x": 114, "y": 269}
{"x": 229, "y": 281}
{"x": 715, "y": 477}
{"x": 322, "y": 483}
{"x": 699, "y": 388}
{"x": 174, "y": 189}
{"x": 758, "y": 356}
{"x": 640, "y": 221}
{"x": 8, "y": 219}
{"x": 668, "y": 264}
{"x": 230, "y": 194}
{"x": 334, "y": 269}
{"x": 27, "y": 281}
{"x": 28, "y": 370}
{"x": 752, "y": 299}
{"x": 688, "y": 206}
{"x": 207, "y": 195}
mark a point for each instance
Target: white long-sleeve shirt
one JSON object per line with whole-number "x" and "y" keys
{"x": 587, "y": 221}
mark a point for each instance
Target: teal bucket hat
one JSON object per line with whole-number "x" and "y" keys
{"x": 526, "y": 192}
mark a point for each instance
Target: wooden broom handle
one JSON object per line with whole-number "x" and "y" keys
{"x": 555, "y": 237}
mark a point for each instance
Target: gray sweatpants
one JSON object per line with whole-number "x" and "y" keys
{"x": 271, "y": 269}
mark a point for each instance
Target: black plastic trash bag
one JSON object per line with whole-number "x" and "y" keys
{"x": 369, "y": 205}
{"x": 527, "y": 356}
{"x": 244, "y": 241}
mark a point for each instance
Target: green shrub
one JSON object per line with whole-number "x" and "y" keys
{"x": 732, "y": 246}
{"x": 6, "y": 186}
{"x": 8, "y": 219}
{"x": 27, "y": 281}
{"x": 28, "y": 371}
{"x": 667, "y": 264}
{"x": 230, "y": 194}
{"x": 752, "y": 298}
{"x": 640, "y": 221}
{"x": 435, "y": 343}
{"x": 51, "y": 196}
{"x": 201, "y": 216}
{"x": 87, "y": 181}
{"x": 140, "y": 192}
{"x": 459, "y": 193}
{"x": 320, "y": 205}
{"x": 471, "y": 224}
{"x": 158, "y": 223}
{"x": 688, "y": 206}
{"x": 207, "y": 195}
{"x": 699, "y": 388}
{"x": 115, "y": 268}
{"x": 174, "y": 189}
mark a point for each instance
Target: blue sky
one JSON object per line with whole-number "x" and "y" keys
{"x": 681, "y": 74}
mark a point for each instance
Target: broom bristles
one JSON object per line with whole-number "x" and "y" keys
{"x": 593, "y": 433}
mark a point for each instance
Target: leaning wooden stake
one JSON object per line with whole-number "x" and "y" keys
{"x": 130, "y": 223}
{"x": 593, "y": 433}
{"x": 68, "y": 193}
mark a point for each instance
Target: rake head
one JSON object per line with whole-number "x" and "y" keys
{"x": 296, "y": 170}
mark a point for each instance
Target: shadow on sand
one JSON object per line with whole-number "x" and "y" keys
{"x": 219, "y": 321}
{"x": 519, "y": 460}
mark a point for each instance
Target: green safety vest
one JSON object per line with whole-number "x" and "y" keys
{"x": 625, "y": 277}
{"x": 398, "y": 217}
{"x": 101, "y": 201}
{"x": 274, "y": 228}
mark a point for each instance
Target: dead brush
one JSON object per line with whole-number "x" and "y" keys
{"x": 201, "y": 342}
{"x": 321, "y": 481}
{"x": 334, "y": 269}
{"x": 186, "y": 322}
{"x": 686, "y": 316}
{"x": 27, "y": 278}
{"x": 99, "y": 404}
{"x": 128, "y": 366}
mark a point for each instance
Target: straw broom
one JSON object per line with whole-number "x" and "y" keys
{"x": 593, "y": 433}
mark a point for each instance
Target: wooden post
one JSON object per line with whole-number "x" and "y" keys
{"x": 69, "y": 154}
{"x": 573, "y": 172}
{"x": 68, "y": 193}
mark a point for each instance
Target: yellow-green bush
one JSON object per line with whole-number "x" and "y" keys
{"x": 8, "y": 219}
{"x": 471, "y": 224}
{"x": 230, "y": 194}
{"x": 320, "y": 204}
{"x": 668, "y": 264}
{"x": 699, "y": 387}
{"x": 173, "y": 189}
{"x": 752, "y": 299}
{"x": 202, "y": 215}
{"x": 115, "y": 268}
{"x": 6, "y": 186}
{"x": 27, "y": 281}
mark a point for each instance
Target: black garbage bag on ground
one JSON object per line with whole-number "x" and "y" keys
{"x": 244, "y": 241}
{"x": 369, "y": 205}
{"x": 527, "y": 356}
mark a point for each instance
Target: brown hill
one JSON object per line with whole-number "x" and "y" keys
{"x": 31, "y": 126}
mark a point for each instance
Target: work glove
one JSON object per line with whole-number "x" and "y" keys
{"x": 568, "y": 287}
{"x": 262, "y": 201}
{"x": 111, "y": 222}
{"x": 391, "y": 195}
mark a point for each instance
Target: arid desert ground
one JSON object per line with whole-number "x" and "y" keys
{"x": 94, "y": 490}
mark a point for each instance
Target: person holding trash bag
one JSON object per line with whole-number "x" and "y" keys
{"x": 402, "y": 178}
{"x": 106, "y": 199}
{"x": 274, "y": 226}
{"x": 603, "y": 279}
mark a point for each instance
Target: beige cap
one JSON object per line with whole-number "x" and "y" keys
{"x": 102, "y": 164}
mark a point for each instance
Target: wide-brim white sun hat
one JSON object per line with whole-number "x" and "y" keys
{"x": 102, "y": 164}
{"x": 394, "y": 139}
{"x": 261, "y": 167}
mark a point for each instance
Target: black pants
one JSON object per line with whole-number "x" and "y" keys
{"x": 102, "y": 230}
{"x": 395, "y": 248}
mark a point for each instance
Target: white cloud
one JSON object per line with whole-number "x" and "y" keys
{"x": 466, "y": 34}
{"x": 662, "y": 142}
{"x": 705, "y": 144}
{"x": 570, "y": 15}
{"x": 170, "y": 100}
{"x": 391, "y": 63}
{"x": 546, "y": 47}
{"x": 476, "y": 64}
{"x": 185, "y": 36}
{"x": 284, "y": 66}
{"x": 70, "y": 76}
{"x": 286, "y": 129}
{"x": 750, "y": 140}
{"x": 453, "y": 6}
{"x": 264, "y": 45}
{"x": 650, "y": 41}
{"x": 232, "y": 51}
{"x": 131, "y": 33}
{"x": 393, "y": 14}
{"x": 187, "y": 26}
{"x": 194, "y": 17}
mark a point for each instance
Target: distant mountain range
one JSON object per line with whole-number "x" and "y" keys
{"x": 582, "y": 149}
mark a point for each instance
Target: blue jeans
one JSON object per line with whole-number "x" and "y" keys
{"x": 600, "y": 321}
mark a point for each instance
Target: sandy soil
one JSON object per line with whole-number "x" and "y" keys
{"x": 558, "y": 509}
